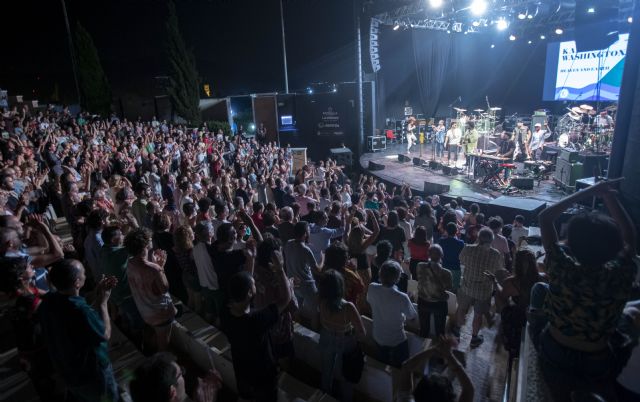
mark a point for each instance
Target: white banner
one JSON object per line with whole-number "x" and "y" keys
{"x": 374, "y": 52}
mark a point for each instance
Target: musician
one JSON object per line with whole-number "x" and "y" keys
{"x": 411, "y": 135}
{"x": 452, "y": 141}
{"x": 604, "y": 121}
{"x": 538, "y": 138}
{"x": 470, "y": 141}
{"x": 440, "y": 133}
{"x": 506, "y": 150}
{"x": 522, "y": 139}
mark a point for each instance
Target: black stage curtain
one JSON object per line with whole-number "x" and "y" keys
{"x": 433, "y": 55}
{"x": 431, "y": 69}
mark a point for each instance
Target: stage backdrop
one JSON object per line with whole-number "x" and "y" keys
{"x": 431, "y": 69}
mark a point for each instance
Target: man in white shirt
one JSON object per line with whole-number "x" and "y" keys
{"x": 390, "y": 309}
{"x": 537, "y": 140}
{"x": 213, "y": 297}
{"x": 452, "y": 142}
{"x": 519, "y": 230}
{"x": 499, "y": 242}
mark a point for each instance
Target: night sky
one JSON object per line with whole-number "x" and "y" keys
{"x": 237, "y": 44}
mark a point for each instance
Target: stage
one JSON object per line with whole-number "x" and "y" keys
{"x": 395, "y": 173}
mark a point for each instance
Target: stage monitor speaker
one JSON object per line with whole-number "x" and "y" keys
{"x": 523, "y": 183}
{"x": 435, "y": 165}
{"x": 435, "y": 188}
{"x": 342, "y": 156}
{"x": 596, "y": 24}
{"x": 375, "y": 166}
{"x": 403, "y": 158}
{"x": 448, "y": 170}
{"x": 418, "y": 161}
{"x": 569, "y": 155}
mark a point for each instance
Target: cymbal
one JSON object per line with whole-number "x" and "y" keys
{"x": 495, "y": 109}
{"x": 611, "y": 108}
{"x": 478, "y": 110}
{"x": 457, "y": 109}
{"x": 586, "y": 107}
{"x": 573, "y": 116}
{"x": 577, "y": 110}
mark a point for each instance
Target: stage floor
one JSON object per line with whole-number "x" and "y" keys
{"x": 461, "y": 185}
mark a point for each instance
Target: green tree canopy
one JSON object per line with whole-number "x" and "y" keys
{"x": 94, "y": 86}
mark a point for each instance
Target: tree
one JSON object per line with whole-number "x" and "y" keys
{"x": 184, "y": 83}
{"x": 94, "y": 86}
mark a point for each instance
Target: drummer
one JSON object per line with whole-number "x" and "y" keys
{"x": 604, "y": 121}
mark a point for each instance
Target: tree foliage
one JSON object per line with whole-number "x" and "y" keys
{"x": 184, "y": 83}
{"x": 94, "y": 86}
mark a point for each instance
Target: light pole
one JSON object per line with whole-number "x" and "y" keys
{"x": 71, "y": 51}
{"x": 284, "y": 51}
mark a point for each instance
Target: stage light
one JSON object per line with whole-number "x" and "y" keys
{"x": 591, "y": 10}
{"x": 542, "y": 37}
{"x": 448, "y": 31}
{"x": 530, "y": 16}
{"x": 530, "y": 42}
{"x": 476, "y": 23}
{"x": 435, "y": 3}
{"x": 478, "y": 7}
{"x": 252, "y": 127}
{"x": 309, "y": 90}
{"x": 492, "y": 46}
{"x": 522, "y": 16}
{"x": 502, "y": 24}
{"x": 396, "y": 27}
{"x": 512, "y": 37}
{"x": 559, "y": 31}
{"x": 630, "y": 20}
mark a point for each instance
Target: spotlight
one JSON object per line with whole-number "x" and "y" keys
{"x": 529, "y": 42}
{"x": 252, "y": 127}
{"x": 630, "y": 20}
{"x": 530, "y": 16}
{"x": 435, "y": 3}
{"x": 502, "y": 24}
{"x": 542, "y": 37}
{"x": 522, "y": 16}
{"x": 591, "y": 10}
{"x": 448, "y": 31}
{"x": 396, "y": 27}
{"x": 478, "y": 7}
{"x": 476, "y": 23}
{"x": 492, "y": 46}
{"x": 512, "y": 37}
{"x": 559, "y": 31}
{"x": 309, "y": 90}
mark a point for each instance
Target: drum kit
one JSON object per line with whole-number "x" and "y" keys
{"x": 578, "y": 128}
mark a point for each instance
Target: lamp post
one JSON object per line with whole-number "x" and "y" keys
{"x": 71, "y": 51}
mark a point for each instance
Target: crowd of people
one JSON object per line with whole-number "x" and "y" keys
{"x": 160, "y": 212}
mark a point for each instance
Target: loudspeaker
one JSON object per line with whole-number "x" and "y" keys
{"x": 342, "y": 156}
{"x": 523, "y": 183}
{"x": 418, "y": 161}
{"x": 449, "y": 170}
{"x": 434, "y": 165}
{"x": 403, "y": 158}
{"x": 435, "y": 188}
{"x": 596, "y": 24}
{"x": 569, "y": 155}
{"x": 375, "y": 166}
{"x": 567, "y": 173}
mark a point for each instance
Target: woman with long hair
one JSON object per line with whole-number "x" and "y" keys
{"x": 340, "y": 324}
{"x": 183, "y": 250}
{"x": 426, "y": 218}
{"x": 358, "y": 242}
{"x": 418, "y": 249}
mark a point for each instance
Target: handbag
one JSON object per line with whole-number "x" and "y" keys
{"x": 353, "y": 364}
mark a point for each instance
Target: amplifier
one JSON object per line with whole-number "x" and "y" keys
{"x": 594, "y": 164}
{"x": 569, "y": 155}
{"x": 567, "y": 173}
{"x": 523, "y": 183}
{"x": 377, "y": 143}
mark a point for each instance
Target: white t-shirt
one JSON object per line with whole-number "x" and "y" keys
{"x": 206, "y": 273}
{"x": 455, "y": 135}
{"x": 390, "y": 308}
{"x": 518, "y": 232}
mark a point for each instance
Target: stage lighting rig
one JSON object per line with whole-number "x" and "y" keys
{"x": 435, "y": 3}
{"x": 478, "y": 7}
{"x": 502, "y": 24}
